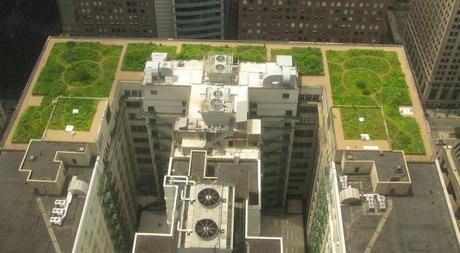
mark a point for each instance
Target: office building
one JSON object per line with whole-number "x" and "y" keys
{"x": 449, "y": 163}
{"x": 147, "y": 18}
{"x": 313, "y": 20}
{"x": 431, "y": 41}
{"x": 25, "y": 26}
{"x": 210, "y": 154}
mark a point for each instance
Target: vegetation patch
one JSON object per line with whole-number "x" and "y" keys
{"x": 376, "y": 81}
{"x": 82, "y": 73}
{"x": 309, "y": 60}
{"x": 138, "y": 53}
{"x": 371, "y": 122}
{"x": 240, "y": 53}
{"x": 73, "y": 69}
{"x": 64, "y": 114}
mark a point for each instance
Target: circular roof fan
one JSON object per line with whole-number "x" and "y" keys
{"x": 217, "y": 104}
{"x": 208, "y": 197}
{"x": 207, "y": 229}
{"x": 218, "y": 93}
{"x": 220, "y": 58}
{"x": 220, "y": 67}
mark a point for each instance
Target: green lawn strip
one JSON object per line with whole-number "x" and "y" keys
{"x": 138, "y": 53}
{"x": 63, "y": 114}
{"x": 241, "y": 53}
{"x": 309, "y": 60}
{"x": 377, "y": 80}
{"x": 32, "y": 123}
{"x": 373, "y": 123}
{"x": 78, "y": 73}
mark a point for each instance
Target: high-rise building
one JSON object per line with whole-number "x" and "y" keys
{"x": 314, "y": 20}
{"x": 213, "y": 154}
{"x": 449, "y": 163}
{"x": 431, "y": 41}
{"x": 147, "y": 18}
{"x": 24, "y": 27}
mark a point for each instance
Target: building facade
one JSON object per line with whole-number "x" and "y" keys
{"x": 25, "y": 26}
{"x": 314, "y": 20}
{"x": 164, "y": 19}
{"x": 449, "y": 158}
{"x": 433, "y": 48}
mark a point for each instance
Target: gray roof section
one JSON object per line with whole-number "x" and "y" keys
{"x": 42, "y": 165}
{"x": 155, "y": 244}
{"x": 416, "y": 223}
{"x": 263, "y": 246}
{"x": 23, "y": 225}
{"x": 388, "y": 163}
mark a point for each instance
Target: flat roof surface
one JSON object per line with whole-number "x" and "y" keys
{"x": 263, "y": 246}
{"x": 42, "y": 165}
{"x": 31, "y": 100}
{"x": 416, "y": 223}
{"x": 24, "y": 216}
{"x": 153, "y": 244}
{"x": 387, "y": 163}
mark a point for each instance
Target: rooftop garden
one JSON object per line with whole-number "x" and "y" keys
{"x": 363, "y": 120}
{"x": 309, "y": 60}
{"x": 138, "y": 53}
{"x": 73, "y": 69}
{"x": 374, "y": 78}
{"x": 73, "y": 111}
{"x": 240, "y": 53}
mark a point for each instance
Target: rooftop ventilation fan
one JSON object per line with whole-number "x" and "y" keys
{"x": 207, "y": 229}
{"x": 217, "y": 104}
{"x": 218, "y": 93}
{"x": 220, "y": 58}
{"x": 220, "y": 67}
{"x": 209, "y": 197}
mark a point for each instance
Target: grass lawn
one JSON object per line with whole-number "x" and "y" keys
{"x": 373, "y": 123}
{"x": 309, "y": 60}
{"x": 138, "y": 53}
{"x": 73, "y": 69}
{"x": 241, "y": 53}
{"x": 375, "y": 78}
{"x": 63, "y": 114}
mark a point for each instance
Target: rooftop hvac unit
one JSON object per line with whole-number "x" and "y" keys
{"x": 220, "y": 58}
{"x": 209, "y": 197}
{"x": 207, "y": 229}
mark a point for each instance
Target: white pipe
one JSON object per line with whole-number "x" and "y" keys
{"x": 187, "y": 180}
{"x": 182, "y": 197}
{"x": 183, "y": 229}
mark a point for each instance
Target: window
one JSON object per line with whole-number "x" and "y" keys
{"x": 133, "y": 104}
{"x": 153, "y": 92}
{"x": 288, "y": 112}
{"x": 138, "y": 129}
{"x": 151, "y": 108}
{"x": 132, "y": 116}
{"x": 140, "y": 140}
{"x": 285, "y": 95}
{"x": 304, "y": 133}
{"x": 144, "y": 160}
{"x": 142, "y": 150}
